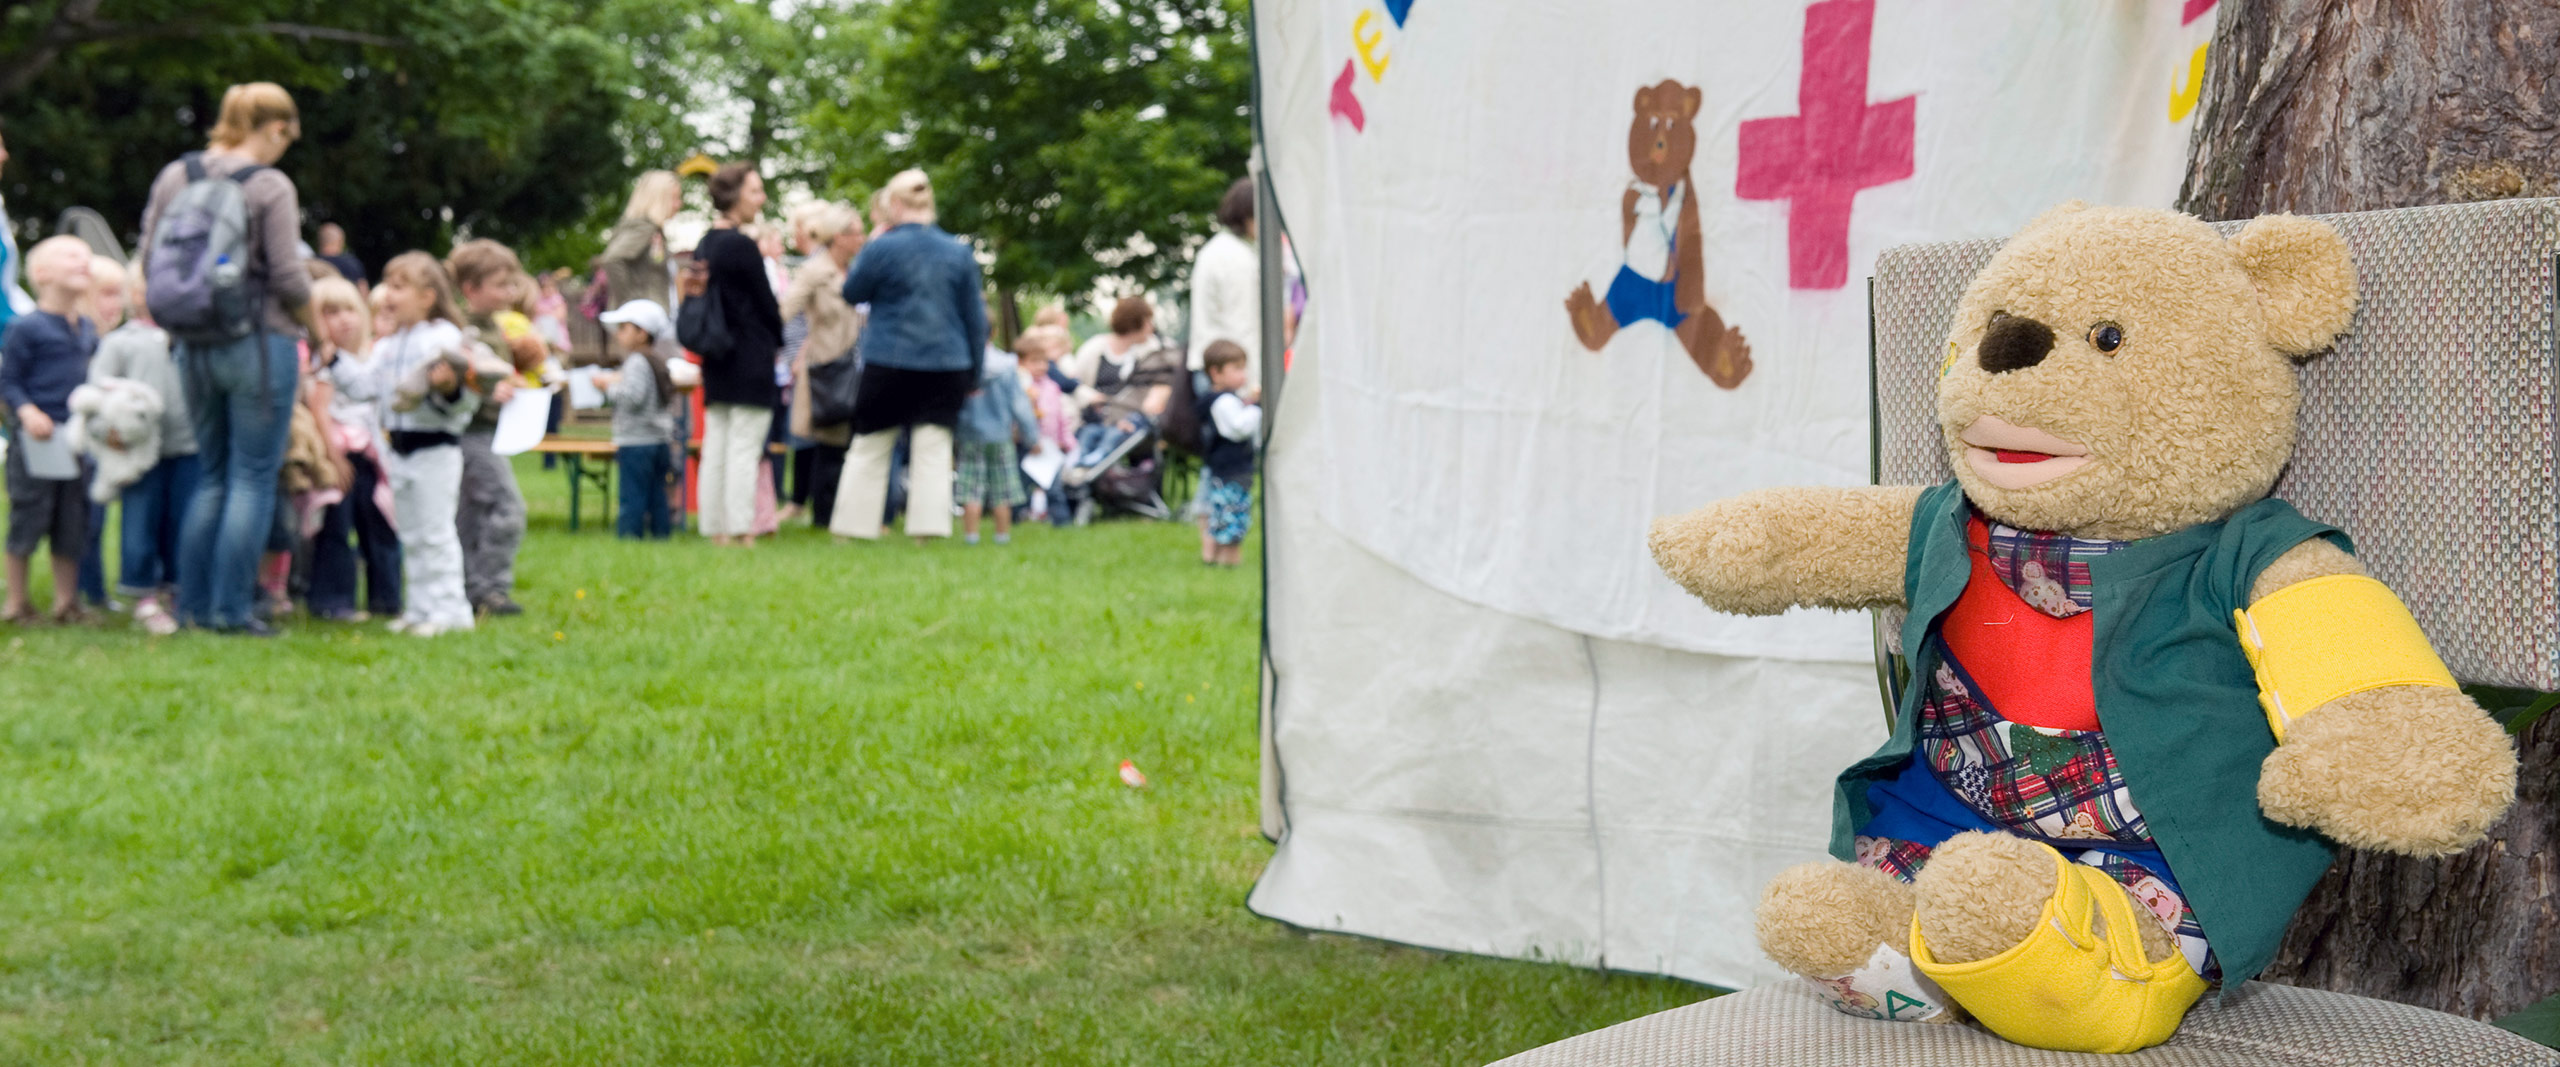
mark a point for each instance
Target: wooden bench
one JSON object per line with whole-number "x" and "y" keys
{"x": 578, "y": 450}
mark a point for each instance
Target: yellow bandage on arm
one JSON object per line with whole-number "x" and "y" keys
{"x": 2313, "y": 642}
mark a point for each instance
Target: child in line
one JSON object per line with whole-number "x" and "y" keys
{"x": 491, "y": 516}
{"x": 1230, "y": 420}
{"x": 44, "y": 356}
{"x": 991, "y": 420}
{"x": 643, "y": 395}
{"x": 364, "y": 512}
{"x": 423, "y": 382}
{"x": 1039, "y": 348}
{"x": 155, "y": 508}
{"x": 105, "y": 308}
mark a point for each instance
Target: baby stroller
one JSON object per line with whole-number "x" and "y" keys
{"x": 1135, "y": 487}
{"x": 1129, "y": 478}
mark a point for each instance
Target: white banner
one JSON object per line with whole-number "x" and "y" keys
{"x": 1587, "y": 263}
{"x": 1498, "y": 728}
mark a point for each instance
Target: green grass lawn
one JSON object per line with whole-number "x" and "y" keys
{"x": 805, "y": 804}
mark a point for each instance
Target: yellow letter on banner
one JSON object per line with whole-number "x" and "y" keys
{"x": 1367, "y": 46}
{"x": 2184, "y": 94}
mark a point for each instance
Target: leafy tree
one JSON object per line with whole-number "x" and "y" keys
{"x": 501, "y": 118}
{"x": 1073, "y": 139}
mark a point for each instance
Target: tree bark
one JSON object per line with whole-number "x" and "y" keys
{"x": 2352, "y": 105}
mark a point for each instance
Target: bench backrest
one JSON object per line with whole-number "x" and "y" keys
{"x": 2428, "y": 434}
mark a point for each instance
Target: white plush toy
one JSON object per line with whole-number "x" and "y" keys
{"x": 116, "y": 420}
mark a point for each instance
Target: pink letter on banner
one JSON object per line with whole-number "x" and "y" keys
{"x": 1817, "y": 160}
{"x": 1346, "y": 105}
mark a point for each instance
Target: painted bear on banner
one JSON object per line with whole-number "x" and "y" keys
{"x": 1664, "y": 276}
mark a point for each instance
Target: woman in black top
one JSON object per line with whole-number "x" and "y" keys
{"x": 738, "y": 392}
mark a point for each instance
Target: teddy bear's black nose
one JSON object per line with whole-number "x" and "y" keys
{"x": 2014, "y": 342}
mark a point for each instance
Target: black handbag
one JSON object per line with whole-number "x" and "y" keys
{"x": 833, "y": 388}
{"x": 702, "y": 325}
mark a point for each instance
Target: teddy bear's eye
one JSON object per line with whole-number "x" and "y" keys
{"x": 2107, "y": 336}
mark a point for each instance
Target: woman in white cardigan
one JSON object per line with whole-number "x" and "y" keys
{"x": 1226, "y": 284}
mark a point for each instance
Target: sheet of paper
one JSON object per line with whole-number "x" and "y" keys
{"x": 583, "y": 394}
{"x": 1043, "y": 466}
{"x": 521, "y": 422}
{"x": 50, "y": 459}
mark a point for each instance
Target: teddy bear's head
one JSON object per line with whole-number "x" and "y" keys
{"x": 1664, "y": 136}
{"x": 2119, "y": 373}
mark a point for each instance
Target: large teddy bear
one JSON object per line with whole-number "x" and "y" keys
{"x": 2142, "y": 691}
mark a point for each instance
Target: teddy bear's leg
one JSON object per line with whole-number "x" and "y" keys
{"x": 1717, "y": 349}
{"x": 1593, "y": 323}
{"x": 1843, "y": 928}
{"x": 2046, "y": 952}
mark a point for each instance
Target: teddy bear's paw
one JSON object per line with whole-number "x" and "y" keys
{"x": 1593, "y": 325}
{"x": 1826, "y": 919}
{"x": 2417, "y": 770}
{"x": 1730, "y": 553}
{"x": 1982, "y": 894}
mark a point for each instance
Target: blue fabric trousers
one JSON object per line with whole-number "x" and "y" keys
{"x": 155, "y": 508}
{"x": 377, "y": 547}
{"x": 241, "y": 397}
{"x": 645, "y": 471}
{"x": 93, "y": 565}
{"x": 152, "y": 520}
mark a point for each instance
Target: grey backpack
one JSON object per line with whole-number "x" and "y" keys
{"x": 196, "y": 269}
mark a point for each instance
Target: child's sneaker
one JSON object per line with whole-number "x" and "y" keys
{"x": 154, "y": 619}
{"x": 969, "y": 539}
{"x": 1004, "y": 539}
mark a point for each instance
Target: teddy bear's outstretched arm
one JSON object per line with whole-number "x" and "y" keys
{"x": 2414, "y": 769}
{"x": 1773, "y": 549}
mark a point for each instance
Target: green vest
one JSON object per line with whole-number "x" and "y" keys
{"x": 2176, "y": 699}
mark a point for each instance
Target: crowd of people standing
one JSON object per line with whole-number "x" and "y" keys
{"x": 296, "y": 410}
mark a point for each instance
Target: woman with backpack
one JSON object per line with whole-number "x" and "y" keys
{"x": 634, "y": 261}
{"x": 225, "y": 277}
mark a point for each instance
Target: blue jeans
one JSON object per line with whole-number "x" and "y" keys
{"x": 241, "y": 397}
{"x": 154, "y": 510}
{"x": 93, "y": 566}
{"x": 377, "y": 548}
{"x": 645, "y": 471}
{"x": 1096, "y": 440}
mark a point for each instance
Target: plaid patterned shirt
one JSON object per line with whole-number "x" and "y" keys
{"x": 2049, "y": 571}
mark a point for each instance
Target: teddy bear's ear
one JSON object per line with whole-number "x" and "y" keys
{"x": 1644, "y": 98}
{"x": 1694, "y": 98}
{"x": 2304, "y": 275}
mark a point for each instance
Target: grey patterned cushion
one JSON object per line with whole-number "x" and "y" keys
{"x": 2261, "y": 1025}
{"x": 2428, "y": 435}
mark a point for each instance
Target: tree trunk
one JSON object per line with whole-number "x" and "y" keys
{"x": 2350, "y": 105}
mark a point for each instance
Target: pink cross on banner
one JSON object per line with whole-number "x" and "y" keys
{"x": 1817, "y": 160}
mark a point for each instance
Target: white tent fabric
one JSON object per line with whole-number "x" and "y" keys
{"x": 1498, "y": 728}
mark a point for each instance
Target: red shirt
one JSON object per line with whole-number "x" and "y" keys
{"x": 2030, "y": 667}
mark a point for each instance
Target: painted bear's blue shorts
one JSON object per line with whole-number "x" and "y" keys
{"x": 1634, "y": 298}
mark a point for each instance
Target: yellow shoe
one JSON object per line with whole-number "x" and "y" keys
{"x": 2066, "y": 987}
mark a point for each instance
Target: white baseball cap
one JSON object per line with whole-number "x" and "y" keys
{"x": 645, "y": 314}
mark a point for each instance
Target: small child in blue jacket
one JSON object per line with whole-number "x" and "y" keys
{"x": 1230, "y": 421}
{"x": 991, "y": 420}
{"x": 44, "y": 355}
